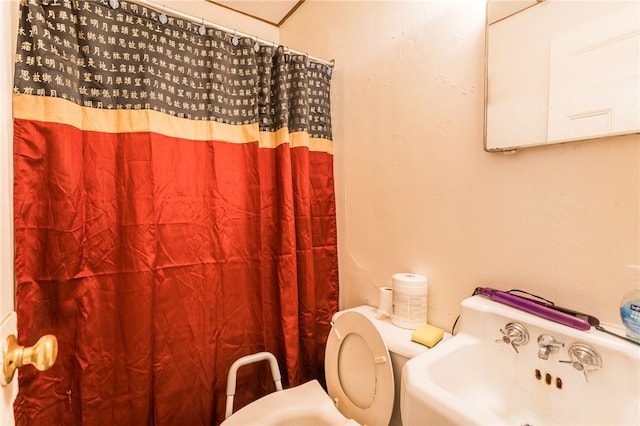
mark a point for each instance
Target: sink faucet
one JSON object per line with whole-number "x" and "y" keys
{"x": 548, "y": 345}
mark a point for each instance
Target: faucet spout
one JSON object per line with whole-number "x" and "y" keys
{"x": 548, "y": 345}
{"x": 543, "y": 352}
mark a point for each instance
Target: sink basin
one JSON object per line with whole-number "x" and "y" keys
{"x": 487, "y": 375}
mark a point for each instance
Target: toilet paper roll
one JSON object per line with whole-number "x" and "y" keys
{"x": 385, "y": 306}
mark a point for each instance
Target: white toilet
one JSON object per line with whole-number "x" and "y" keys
{"x": 363, "y": 355}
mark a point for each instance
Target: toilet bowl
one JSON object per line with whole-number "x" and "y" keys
{"x": 363, "y": 355}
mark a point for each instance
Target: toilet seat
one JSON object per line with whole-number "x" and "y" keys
{"x": 358, "y": 370}
{"x": 306, "y": 404}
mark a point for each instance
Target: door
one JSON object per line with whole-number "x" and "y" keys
{"x": 8, "y": 30}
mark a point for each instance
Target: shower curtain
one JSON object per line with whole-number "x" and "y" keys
{"x": 174, "y": 210}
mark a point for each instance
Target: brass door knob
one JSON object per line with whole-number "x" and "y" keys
{"x": 42, "y": 355}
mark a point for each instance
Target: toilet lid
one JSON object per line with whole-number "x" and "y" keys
{"x": 358, "y": 370}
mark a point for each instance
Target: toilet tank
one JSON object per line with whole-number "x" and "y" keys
{"x": 400, "y": 346}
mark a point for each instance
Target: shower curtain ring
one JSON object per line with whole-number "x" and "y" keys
{"x": 307, "y": 61}
{"x": 163, "y": 17}
{"x": 330, "y": 67}
{"x": 256, "y": 46}
{"x": 235, "y": 40}
{"x": 202, "y": 30}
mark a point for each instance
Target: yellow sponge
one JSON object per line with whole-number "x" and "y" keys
{"x": 427, "y": 335}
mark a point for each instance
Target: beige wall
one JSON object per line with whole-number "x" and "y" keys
{"x": 415, "y": 190}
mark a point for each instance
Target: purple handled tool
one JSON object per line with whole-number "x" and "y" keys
{"x": 533, "y": 308}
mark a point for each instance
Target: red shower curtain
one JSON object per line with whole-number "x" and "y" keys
{"x": 174, "y": 210}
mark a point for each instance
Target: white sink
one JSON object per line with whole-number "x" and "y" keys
{"x": 470, "y": 379}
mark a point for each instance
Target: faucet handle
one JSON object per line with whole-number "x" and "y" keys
{"x": 584, "y": 359}
{"x": 514, "y": 334}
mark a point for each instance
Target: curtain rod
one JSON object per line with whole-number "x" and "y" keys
{"x": 160, "y": 8}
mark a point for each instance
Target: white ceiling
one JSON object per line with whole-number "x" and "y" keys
{"x": 274, "y": 12}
